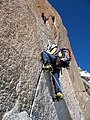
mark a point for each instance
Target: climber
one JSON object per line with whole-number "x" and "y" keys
{"x": 53, "y": 18}
{"x": 52, "y": 64}
{"x": 44, "y": 18}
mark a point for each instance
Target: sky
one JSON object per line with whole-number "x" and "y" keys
{"x": 75, "y": 15}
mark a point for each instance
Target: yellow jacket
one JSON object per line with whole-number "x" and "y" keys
{"x": 54, "y": 50}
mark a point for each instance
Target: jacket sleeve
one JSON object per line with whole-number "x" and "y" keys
{"x": 53, "y": 51}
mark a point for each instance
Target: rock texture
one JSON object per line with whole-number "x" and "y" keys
{"x": 24, "y": 94}
{"x": 43, "y": 107}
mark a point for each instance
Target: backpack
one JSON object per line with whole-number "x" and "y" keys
{"x": 66, "y": 57}
{"x": 63, "y": 57}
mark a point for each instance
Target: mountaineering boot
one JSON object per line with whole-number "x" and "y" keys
{"x": 59, "y": 95}
{"x": 47, "y": 68}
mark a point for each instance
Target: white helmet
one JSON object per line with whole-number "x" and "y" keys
{"x": 52, "y": 47}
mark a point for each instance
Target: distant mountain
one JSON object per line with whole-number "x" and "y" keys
{"x": 85, "y": 75}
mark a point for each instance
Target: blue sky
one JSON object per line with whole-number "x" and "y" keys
{"x": 75, "y": 15}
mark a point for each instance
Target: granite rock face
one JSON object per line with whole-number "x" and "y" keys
{"x": 24, "y": 90}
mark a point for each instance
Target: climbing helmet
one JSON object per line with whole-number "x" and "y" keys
{"x": 52, "y": 47}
